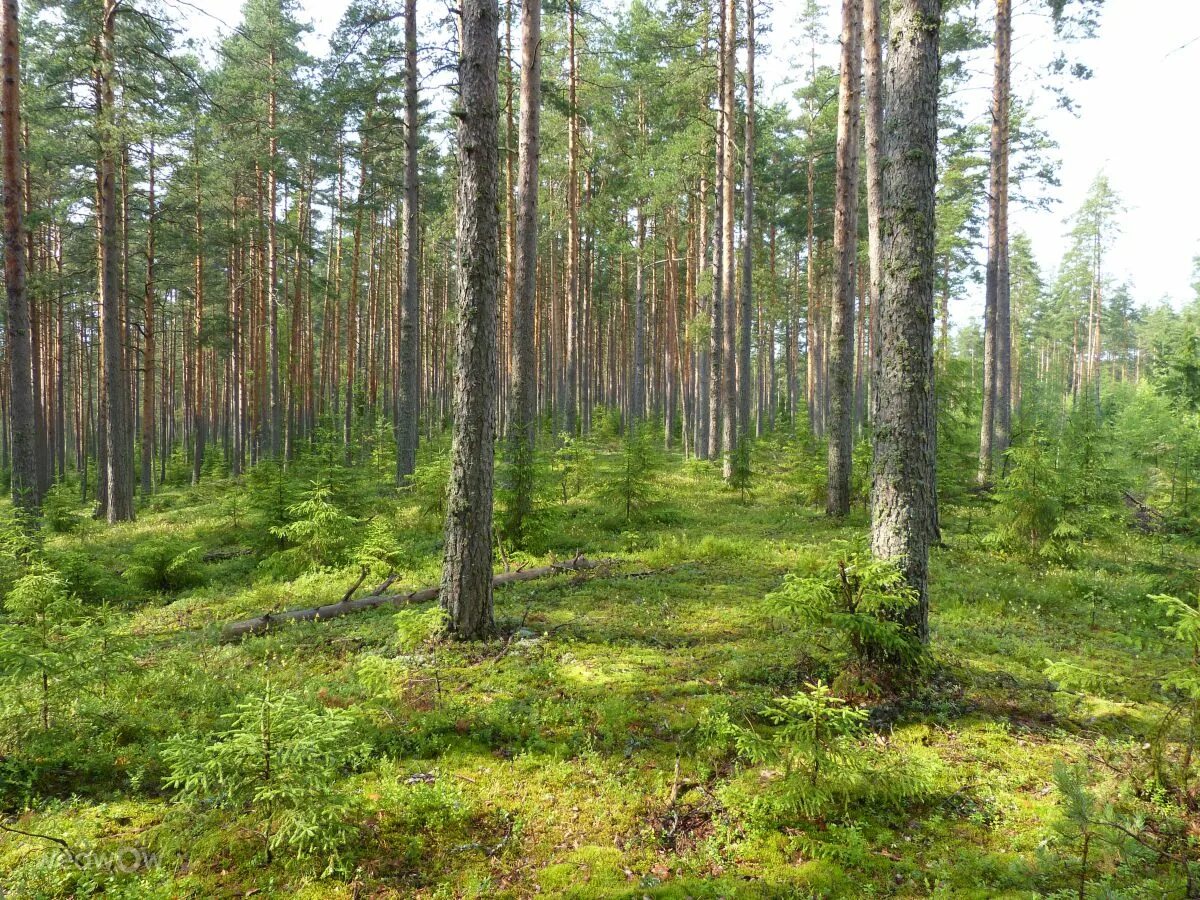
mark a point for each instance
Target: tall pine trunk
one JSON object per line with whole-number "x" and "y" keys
{"x": 845, "y": 246}
{"x": 409, "y": 387}
{"x": 22, "y": 437}
{"x": 904, "y": 495}
{"x": 994, "y": 428}
{"x": 119, "y": 464}
{"x": 747, "y": 286}
{"x": 523, "y": 420}
{"x": 467, "y": 571}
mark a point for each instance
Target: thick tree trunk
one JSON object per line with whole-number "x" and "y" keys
{"x": 116, "y": 396}
{"x": 22, "y": 439}
{"x": 845, "y": 245}
{"x": 408, "y": 412}
{"x": 523, "y": 420}
{"x": 904, "y": 494}
{"x": 466, "y": 591}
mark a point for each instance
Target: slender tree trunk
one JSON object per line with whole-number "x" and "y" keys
{"x": 994, "y": 426}
{"x": 467, "y": 572}
{"x": 569, "y": 398}
{"x": 747, "y": 287}
{"x": 717, "y": 360}
{"x": 408, "y": 412}
{"x": 22, "y": 440}
{"x": 637, "y": 402}
{"x": 904, "y": 495}
{"x": 274, "y": 404}
{"x": 199, "y": 413}
{"x": 845, "y": 245}
{"x": 149, "y": 395}
{"x": 523, "y": 420}
{"x": 729, "y": 422}
{"x": 873, "y": 78}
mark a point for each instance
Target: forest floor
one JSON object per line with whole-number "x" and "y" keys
{"x": 592, "y": 750}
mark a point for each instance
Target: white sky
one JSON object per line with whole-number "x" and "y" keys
{"x": 1135, "y": 120}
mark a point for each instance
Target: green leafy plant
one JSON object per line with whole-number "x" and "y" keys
{"x": 278, "y": 763}
{"x": 1029, "y": 506}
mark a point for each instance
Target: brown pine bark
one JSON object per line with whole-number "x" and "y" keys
{"x": 22, "y": 438}
{"x": 149, "y": 348}
{"x": 994, "y": 428}
{"x": 904, "y": 494}
{"x": 729, "y": 423}
{"x": 745, "y": 376}
{"x": 873, "y": 109}
{"x": 569, "y": 397}
{"x": 466, "y": 592}
{"x": 522, "y": 433}
{"x": 845, "y": 245}
{"x": 118, "y": 461}
{"x": 408, "y": 408}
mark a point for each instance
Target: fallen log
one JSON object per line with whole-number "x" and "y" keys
{"x": 268, "y": 621}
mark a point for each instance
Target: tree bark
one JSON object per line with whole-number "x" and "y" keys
{"x": 22, "y": 438}
{"x": 466, "y": 592}
{"x": 845, "y": 245}
{"x": 522, "y": 422}
{"x": 873, "y": 78}
{"x": 904, "y": 494}
{"x": 408, "y": 412}
{"x": 119, "y": 480}
{"x": 149, "y": 349}
{"x": 994, "y": 427}
{"x": 729, "y": 423}
{"x": 747, "y": 286}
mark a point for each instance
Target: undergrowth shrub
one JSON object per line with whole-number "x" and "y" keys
{"x": 821, "y": 763}
{"x": 320, "y": 533}
{"x": 165, "y": 565}
{"x": 631, "y": 487}
{"x": 60, "y": 507}
{"x": 862, "y": 603}
{"x": 278, "y": 766}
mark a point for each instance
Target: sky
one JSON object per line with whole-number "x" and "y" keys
{"x": 1134, "y": 120}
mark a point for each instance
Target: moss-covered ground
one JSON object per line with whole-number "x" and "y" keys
{"x": 575, "y": 755}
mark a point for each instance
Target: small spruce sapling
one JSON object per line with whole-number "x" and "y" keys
{"x": 741, "y": 478}
{"x": 165, "y": 565}
{"x": 320, "y": 531}
{"x": 42, "y": 639}
{"x": 572, "y": 466}
{"x": 632, "y": 485}
{"x": 278, "y": 763}
{"x": 862, "y": 601}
